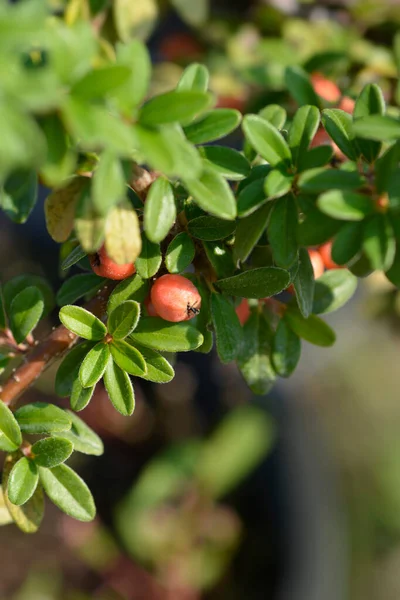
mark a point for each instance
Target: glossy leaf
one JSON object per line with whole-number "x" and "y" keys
{"x": 369, "y": 102}
{"x": 157, "y": 334}
{"x": 213, "y": 194}
{"x": 228, "y": 331}
{"x": 83, "y": 438}
{"x": 254, "y": 358}
{"x": 251, "y": 198}
{"x": 159, "y": 210}
{"x": 82, "y": 322}
{"x": 52, "y": 451}
{"x": 10, "y": 434}
{"x": 249, "y": 230}
{"x": 180, "y": 253}
{"x": 345, "y": 205}
{"x": 133, "y": 288}
{"x": 25, "y": 312}
{"x": 94, "y": 365}
{"x": 158, "y": 368}
{"x": 302, "y": 131}
{"x": 226, "y": 161}
{"x": 304, "y": 283}
{"x": 220, "y": 257}
{"x": 274, "y": 114}
{"x": 256, "y": 283}
{"x": 286, "y": 349}
{"x": 332, "y": 290}
{"x": 194, "y": 78}
{"x": 68, "y": 491}
{"x": 315, "y": 158}
{"x": 277, "y": 183}
{"x": 266, "y": 140}
{"x": 321, "y": 180}
{"x": 149, "y": 261}
{"x": 123, "y": 320}
{"x": 339, "y": 125}
{"x": 377, "y": 127}
{"x": 212, "y": 126}
{"x": 73, "y": 257}
{"x": 40, "y": 417}
{"x": 119, "y": 389}
{"x": 282, "y": 228}
{"x": 178, "y": 106}
{"x": 80, "y": 396}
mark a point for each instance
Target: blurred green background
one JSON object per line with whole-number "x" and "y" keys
{"x": 206, "y": 492}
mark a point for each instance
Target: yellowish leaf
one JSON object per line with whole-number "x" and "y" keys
{"x": 60, "y": 207}
{"x": 122, "y": 234}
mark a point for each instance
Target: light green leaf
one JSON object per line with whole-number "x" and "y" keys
{"x": 25, "y": 312}
{"x": 339, "y": 125}
{"x": 68, "y": 370}
{"x": 80, "y": 396}
{"x": 123, "y": 320}
{"x": 226, "y": 161}
{"x": 214, "y": 125}
{"x": 128, "y": 358}
{"x": 180, "y": 253}
{"x": 83, "y": 438}
{"x": 195, "y": 77}
{"x": 94, "y": 365}
{"x": 321, "y": 180}
{"x": 332, "y": 290}
{"x": 274, "y": 114}
{"x": 158, "y": 368}
{"x": 174, "y": 107}
{"x": 69, "y": 492}
{"x": 159, "y": 210}
{"x": 157, "y": 334}
{"x": 149, "y": 261}
{"x": 134, "y": 288}
{"x": 10, "y": 434}
{"x": 313, "y": 329}
{"x": 134, "y": 20}
{"x": 302, "y": 131}
{"x": 19, "y": 195}
{"x": 82, "y": 322}
{"x": 266, "y": 140}
{"x": 108, "y": 187}
{"x": 119, "y": 389}
{"x": 100, "y": 82}
{"x": 40, "y": 417}
{"x": 345, "y": 205}
{"x": 134, "y": 55}
{"x": 213, "y": 194}
{"x": 52, "y": 451}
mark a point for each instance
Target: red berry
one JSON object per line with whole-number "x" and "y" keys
{"x": 347, "y": 104}
{"x": 317, "y": 263}
{"x": 326, "y": 251}
{"x": 151, "y": 311}
{"x": 243, "y": 311}
{"x": 105, "y": 267}
{"x": 175, "y": 298}
{"x": 325, "y": 88}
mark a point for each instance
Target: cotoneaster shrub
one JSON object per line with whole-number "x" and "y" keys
{"x": 139, "y": 181}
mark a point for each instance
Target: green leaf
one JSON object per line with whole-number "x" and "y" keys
{"x": 10, "y": 434}
{"x": 157, "y": 334}
{"x": 80, "y": 396}
{"x": 213, "y": 125}
{"x": 286, "y": 349}
{"x": 27, "y": 517}
{"x": 251, "y": 198}
{"x": 228, "y": 331}
{"x": 282, "y": 228}
{"x": 177, "y": 106}
{"x": 379, "y": 242}
{"x": 213, "y": 194}
{"x": 277, "y": 183}
{"x": 332, "y": 290}
{"x": 108, "y": 187}
{"x": 242, "y": 440}
{"x": 82, "y": 322}
{"x": 210, "y": 229}
{"x": 159, "y": 210}
{"x": 300, "y": 87}
{"x": 220, "y": 258}
{"x": 194, "y": 78}
{"x": 83, "y": 438}
{"x": 68, "y": 370}
{"x": 180, "y": 253}
{"x": 89, "y": 224}
{"x": 128, "y": 358}
{"x": 304, "y": 283}
{"x": 69, "y": 492}
{"x": 25, "y": 312}
{"x": 226, "y": 162}
{"x": 134, "y": 288}
{"x": 266, "y": 140}
{"x": 302, "y": 131}
{"x": 345, "y": 205}
{"x": 377, "y": 127}
{"x": 339, "y": 125}
{"x": 256, "y": 283}
{"x": 316, "y": 228}
{"x": 136, "y": 56}
{"x": 123, "y": 319}
{"x": 119, "y": 389}
{"x": 99, "y": 82}
{"x": 315, "y": 158}
{"x": 347, "y": 243}
{"x": 51, "y": 451}
{"x": 274, "y": 114}
{"x": 22, "y": 482}
{"x": 77, "y": 286}
{"x": 149, "y": 261}
{"x": 19, "y": 195}
{"x": 40, "y": 417}
{"x": 194, "y": 13}
{"x": 73, "y": 257}
{"x": 254, "y": 358}
{"x": 158, "y": 368}
{"x": 369, "y": 102}
{"x": 313, "y": 329}
{"x": 393, "y": 274}
{"x": 385, "y": 166}
{"x": 321, "y": 180}
{"x": 94, "y": 365}
{"x": 249, "y": 230}
{"x": 60, "y": 159}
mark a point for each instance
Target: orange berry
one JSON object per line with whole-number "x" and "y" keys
{"x": 175, "y": 298}
{"x": 347, "y": 104}
{"x": 151, "y": 311}
{"x": 317, "y": 263}
{"x": 243, "y": 311}
{"x": 325, "y": 88}
{"x": 325, "y": 252}
{"x": 103, "y": 266}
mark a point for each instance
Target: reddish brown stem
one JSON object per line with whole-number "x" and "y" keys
{"x": 37, "y": 360}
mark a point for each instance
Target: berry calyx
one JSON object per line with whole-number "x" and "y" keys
{"x": 175, "y": 298}
{"x": 103, "y": 266}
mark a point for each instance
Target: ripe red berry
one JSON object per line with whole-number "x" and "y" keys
{"x": 105, "y": 267}
{"x": 243, "y": 311}
{"x": 175, "y": 298}
{"x": 151, "y": 311}
{"x": 347, "y": 104}
{"x": 328, "y": 90}
{"x": 326, "y": 254}
{"x": 317, "y": 263}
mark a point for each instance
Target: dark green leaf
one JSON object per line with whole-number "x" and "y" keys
{"x": 304, "y": 283}
{"x": 220, "y": 258}
{"x": 82, "y": 322}
{"x": 159, "y": 210}
{"x": 83, "y": 438}
{"x": 123, "y": 319}
{"x": 256, "y": 283}
{"x": 377, "y": 127}
{"x": 316, "y": 228}
{"x": 321, "y": 180}
{"x": 249, "y": 230}
{"x": 40, "y": 417}
{"x": 393, "y": 274}
{"x": 345, "y": 205}
{"x": 19, "y": 195}
{"x": 339, "y": 125}
{"x": 369, "y": 102}
{"x": 266, "y": 140}
{"x": 226, "y": 161}
{"x": 379, "y": 242}
{"x": 213, "y": 194}
{"x": 133, "y": 288}
{"x": 69, "y": 492}
{"x": 347, "y": 243}
{"x": 315, "y": 158}
{"x": 68, "y": 370}
{"x": 210, "y": 229}
{"x": 254, "y": 358}
{"x": 119, "y": 389}
{"x": 51, "y": 451}
{"x": 194, "y": 78}
{"x": 213, "y": 126}
{"x": 228, "y": 332}
{"x": 22, "y": 481}
{"x": 302, "y": 131}
{"x": 333, "y": 289}
{"x": 149, "y": 260}
{"x": 386, "y": 165}
{"x": 178, "y": 106}
{"x": 80, "y": 396}
{"x": 25, "y": 312}
{"x": 282, "y": 228}
{"x": 94, "y": 365}
{"x": 73, "y": 257}
{"x": 158, "y": 334}
{"x": 180, "y": 253}
{"x": 16, "y": 285}
{"x": 299, "y": 85}
{"x": 313, "y": 329}
{"x": 77, "y": 286}
{"x": 286, "y": 349}
{"x": 158, "y": 368}
{"x": 108, "y": 187}
{"x": 10, "y": 434}
{"x": 251, "y": 198}
{"x": 128, "y": 358}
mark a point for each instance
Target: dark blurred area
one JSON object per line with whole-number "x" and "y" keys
{"x": 302, "y": 487}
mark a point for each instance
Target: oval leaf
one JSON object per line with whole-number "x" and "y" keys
{"x": 149, "y": 260}
{"x": 82, "y": 322}
{"x": 304, "y": 283}
{"x": 119, "y": 389}
{"x": 159, "y": 210}
{"x": 177, "y": 106}
{"x": 332, "y": 290}
{"x": 256, "y": 283}
{"x": 83, "y": 438}
{"x": 213, "y": 126}
{"x": 254, "y": 359}
{"x": 51, "y": 451}
{"x": 345, "y": 205}
{"x": 210, "y": 229}
{"x": 122, "y": 234}
{"x": 77, "y": 286}
{"x": 69, "y": 492}
{"x": 158, "y": 368}
{"x": 123, "y": 319}
{"x": 134, "y": 288}
{"x": 94, "y": 365}
{"x": 228, "y": 331}
{"x": 286, "y": 349}
{"x": 128, "y": 358}
{"x": 313, "y": 329}
{"x": 25, "y": 312}
{"x": 10, "y": 434}
{"x": 68, "y": 370}
{"x": 157, "y": 334}
{"x": 40, "y": 417}
{"x": 213, "y": 194}
{"x": 180, "y": 253}
{"x": 266, "y": 140}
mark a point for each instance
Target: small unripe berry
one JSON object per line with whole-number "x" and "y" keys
{"x": 243, "y": 311}
{"x": 103, "y": 266}
{"x": 326, "y": 254}
{"x": 328, "y": 90}
{"x": 317, "y": 263}
{"x": 175, "y": 298}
